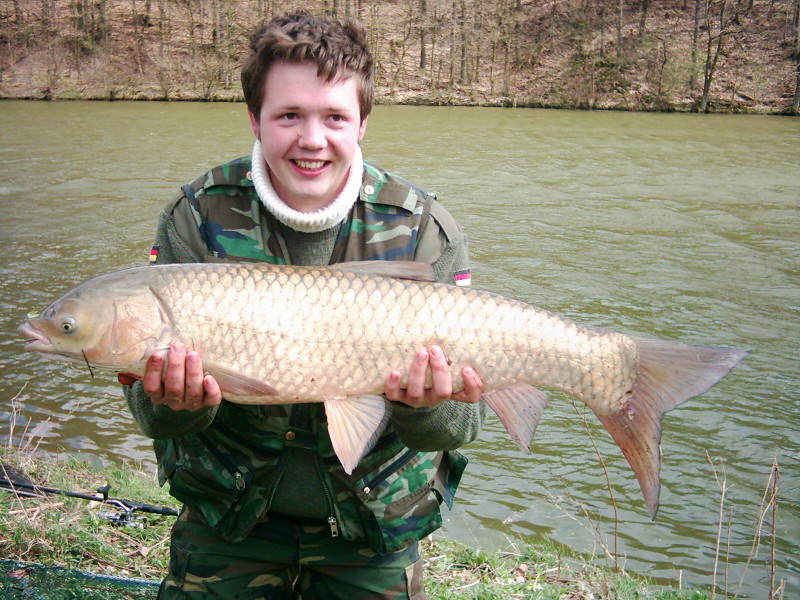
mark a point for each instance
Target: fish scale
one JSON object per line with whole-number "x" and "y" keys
{"x": 282, "y": 334}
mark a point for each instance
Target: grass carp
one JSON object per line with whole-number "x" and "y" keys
{"x": 281, "y": 334}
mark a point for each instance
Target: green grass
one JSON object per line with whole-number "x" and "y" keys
{"x": 533, "y": 572}
{"x": 64, "y": 532}
{"x": 57, "y": 530}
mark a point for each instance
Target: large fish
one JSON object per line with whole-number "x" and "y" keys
{"x": 274, "y": 334}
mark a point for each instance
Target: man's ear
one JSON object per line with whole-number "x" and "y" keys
{"x": 362, "y": 128}
{"x": 254, "y": 125}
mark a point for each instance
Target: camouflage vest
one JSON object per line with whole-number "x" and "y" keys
{"x": 230, "y": 471}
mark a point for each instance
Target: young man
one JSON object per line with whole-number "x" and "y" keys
{"x": 268, "y": 510}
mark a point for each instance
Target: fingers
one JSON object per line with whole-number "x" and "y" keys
{"x": 175, "y": 376}
{"x": 431, "y": 367}
{"x": 473, "y": 386}
{"x": 415, "y": 387}
{"x": 441, "y": 378}
{"x": 182, "y": 385}
{"x": 213, "y": 395}
{"x": 193, "y": 378}
{"x": 391, "y": 388}
{"x": 151, "y": 380}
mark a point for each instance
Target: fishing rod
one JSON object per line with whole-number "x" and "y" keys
{"x": 127, "y": 506}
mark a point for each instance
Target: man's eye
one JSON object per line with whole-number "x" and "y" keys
{"x": 289, "y": 116}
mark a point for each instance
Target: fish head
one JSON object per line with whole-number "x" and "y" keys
{"x": 103, "y": 322}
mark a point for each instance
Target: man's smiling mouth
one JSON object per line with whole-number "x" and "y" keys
{"x": 310, "y": 164}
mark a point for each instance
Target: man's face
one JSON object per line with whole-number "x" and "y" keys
{"x": 309, "y": 130}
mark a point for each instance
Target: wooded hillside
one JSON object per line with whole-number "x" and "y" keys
{"x": 717, "y": 55}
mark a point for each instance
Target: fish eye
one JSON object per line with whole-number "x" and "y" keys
{"x": 68, "y": 325}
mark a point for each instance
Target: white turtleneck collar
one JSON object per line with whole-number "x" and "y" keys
{"x": 307, "y": 222}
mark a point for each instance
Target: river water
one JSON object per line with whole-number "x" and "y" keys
{"x": 685, "y": 227}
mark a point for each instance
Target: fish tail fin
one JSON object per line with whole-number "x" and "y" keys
{"x": 668, "y": 374}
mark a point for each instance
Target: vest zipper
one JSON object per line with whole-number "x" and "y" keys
{"x": 384, "y": 474}
{"x": 239, "y": 482}
{"x": 333, "y": 524}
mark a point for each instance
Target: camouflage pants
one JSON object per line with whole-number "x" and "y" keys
{"x": 285, "y": 559}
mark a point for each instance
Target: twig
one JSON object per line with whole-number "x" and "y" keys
{"x": 14, "y": 414}
{"x": 469, "y": 585}
{"x": 17, "y": 496}
{"x": 763, "y": 509}
{"x": 608, "y": 485}
{"x": 728, "y": 548}
{"x": 35, "y": 509}
{"x": 775, "y": 476}
{"x": 723, "y": 488}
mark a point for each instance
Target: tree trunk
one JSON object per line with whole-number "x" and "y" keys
{"x": 712, "y": 54}
{"x": 695, "y": 35}
{"x": 620, "y": 16}
{"x": 462, "y": 75}
{"x": 453, "y": 45}
{"x": 423, "y": 24}
{"x": 506, "y": 70}
{"x": 643, "y": 16}
{"x": 492, "y": 58}
{"x": 162, "y": 27}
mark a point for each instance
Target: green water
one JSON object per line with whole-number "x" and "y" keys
{"x": 685, "y": 227}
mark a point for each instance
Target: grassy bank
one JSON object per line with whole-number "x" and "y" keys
{"x": 77, "y": 534}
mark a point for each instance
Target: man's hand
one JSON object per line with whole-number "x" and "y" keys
{"x": 416, "y": 394}
{"x": 182, "y": 385}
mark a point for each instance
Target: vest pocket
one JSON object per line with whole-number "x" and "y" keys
{"x": 205, "y": 477}
{"x": 403, "y": 497}
{"x": 213, "y": 502}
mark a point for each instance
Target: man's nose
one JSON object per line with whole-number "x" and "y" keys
{"x": 312, "y": 135}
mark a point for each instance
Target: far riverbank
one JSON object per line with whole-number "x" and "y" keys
{"x": 663, "y": 56}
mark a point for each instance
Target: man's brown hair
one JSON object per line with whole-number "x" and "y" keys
{"x": 338, "y": 49}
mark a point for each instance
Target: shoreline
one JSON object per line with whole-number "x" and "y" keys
{"x": 505, "y": 103}
{"x": 408, "y": 98}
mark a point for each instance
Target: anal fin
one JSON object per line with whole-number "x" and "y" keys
{"x": 354, "y": 425}
{"x": 519, "y": 408}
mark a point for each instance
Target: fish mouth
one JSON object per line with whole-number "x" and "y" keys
{"x": 37, "y": 340}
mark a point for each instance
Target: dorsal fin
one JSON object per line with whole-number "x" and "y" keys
{"x": 399, "y": 269}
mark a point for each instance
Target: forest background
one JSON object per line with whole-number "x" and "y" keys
{"x": 688, "y": 55}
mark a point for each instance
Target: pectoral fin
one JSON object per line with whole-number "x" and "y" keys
{"x": 354, "y": 425}
{"x": 519, "y": 408}
{"x": 235, "y": 384}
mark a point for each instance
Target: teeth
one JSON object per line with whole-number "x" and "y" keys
{"x": 310, "y": 164}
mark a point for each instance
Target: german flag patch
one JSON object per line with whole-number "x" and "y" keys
{"x": 462, "y": 277}
{"x": 153, "y": 254}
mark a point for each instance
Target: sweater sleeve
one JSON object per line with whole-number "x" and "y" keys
{"x": 451, "y": 424}
{"x": 161, "y": 422}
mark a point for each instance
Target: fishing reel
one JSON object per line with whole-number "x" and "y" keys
{"x": 121, "y": 515}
